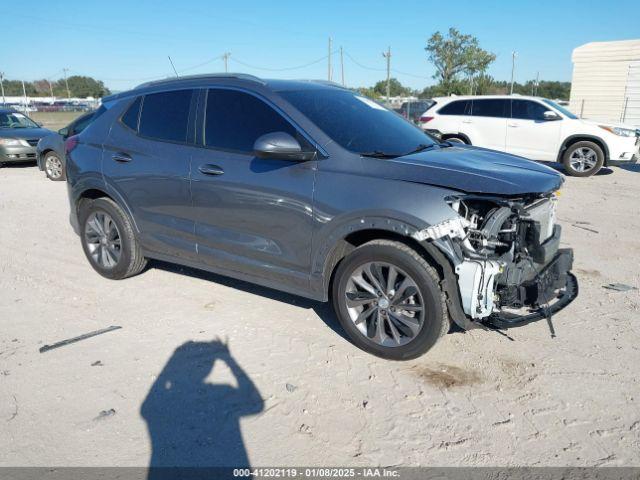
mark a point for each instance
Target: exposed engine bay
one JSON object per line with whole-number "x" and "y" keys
{"x": 506, "y": 257}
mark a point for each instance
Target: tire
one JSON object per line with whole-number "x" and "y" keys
{"x": 406, "y": 343}
{"x": 53, "y": 167}
{"x": 122, "y": 258}
{"x": 583, "y": 159}
{"x": 455, "y": 139}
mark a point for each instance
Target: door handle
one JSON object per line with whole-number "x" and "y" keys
{"x": 466, "y": 121}
{"x": 513, "y": 125}
{"x": 121, "y": 157}
{"x": 209, "y": 169}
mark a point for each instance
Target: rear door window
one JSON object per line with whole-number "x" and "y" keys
{"x": 459, "y": 107}
{"x": 234, "y": 121}
{"x": 165, "y": 115}
{"x": 527, "y": 110}
{"x": 490, "y": 107}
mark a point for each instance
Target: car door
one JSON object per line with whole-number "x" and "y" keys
{"x": 529, "y": 134}
{"x": 487, "y": 125}
{"x": 253, "y": 216}
{"x": 452, "y": 118}
{"x": 146, "y": 160}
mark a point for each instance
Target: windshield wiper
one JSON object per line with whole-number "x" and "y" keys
{"x": 379, "y": 154}
{"x": 420, "y": 148}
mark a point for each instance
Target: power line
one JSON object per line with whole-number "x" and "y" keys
{"x": 297, "y": 67}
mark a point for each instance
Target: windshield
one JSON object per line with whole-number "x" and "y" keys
{"x": 356, "y": 123}
{"x": 16, "y": 120}
{"x": 562, "y": 110}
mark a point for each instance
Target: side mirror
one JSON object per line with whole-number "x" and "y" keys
{"x": 281, "y": 146}
{"x": 550, "y": 115}
{"x": 64, "y": 132}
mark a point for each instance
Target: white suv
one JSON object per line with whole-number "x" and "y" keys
{"x": 533, "y": 127}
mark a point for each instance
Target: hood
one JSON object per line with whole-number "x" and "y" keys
{"x": 471, "y": 169}
{"x": 24, "y": 132}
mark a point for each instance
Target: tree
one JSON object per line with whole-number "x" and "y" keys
{"x": 396, "y": 89}
{"x": 81, "y": 86}
{"x": 454, "y": 55}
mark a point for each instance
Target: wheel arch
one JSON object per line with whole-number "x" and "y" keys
{"x": 92, "y": 192}
{"x": 572, "y": 139}
{"x": 427, "y": 250}
{"x": 466, "y": 138}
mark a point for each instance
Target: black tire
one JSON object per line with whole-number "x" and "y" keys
{"x": 455, "y": 139}
{"x": 585, "y": 145}
{"x": 51, "y": 175}
{"x": 436, "y": 320}
{"x": 131, "y": 261}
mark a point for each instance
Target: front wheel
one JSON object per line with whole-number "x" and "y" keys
{"x": 583, "y": 159}
{"x": 53, "y": 167}
{"x": 108, "y": 240}
{"x": 388, "y": 300}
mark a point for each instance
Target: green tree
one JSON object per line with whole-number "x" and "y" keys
{"x": 396, "y": 89}
{"x": 81, "y": 86}
{"x": 456, "y": 55}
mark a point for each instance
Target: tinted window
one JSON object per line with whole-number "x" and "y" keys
{"x": 560, "y": 108}
{"x": 494, "y": 107}
{"x": 234, "y": 120}
{"x": 165, "y": 115}
{"x": 355, "y": 122}
{"x": 527, "y": 110}
{"x": 461, "y": 107}
{"x": 130, "y": 118}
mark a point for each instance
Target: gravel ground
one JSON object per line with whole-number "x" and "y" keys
{"x": 208, "y": 370}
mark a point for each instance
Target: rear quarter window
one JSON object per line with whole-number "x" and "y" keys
{"x": 130, "y": 117}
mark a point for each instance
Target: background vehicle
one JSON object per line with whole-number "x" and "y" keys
{"x": 535, "y": 128}
{"x": 412, "y": 111}
{"x": 50, "y": 149}
{"x": 315, "y": 190}
{"x": 19, "y": 136}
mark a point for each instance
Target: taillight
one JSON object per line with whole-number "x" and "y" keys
{"x": 425, "y": 119}
{"x": 71, "y": 143}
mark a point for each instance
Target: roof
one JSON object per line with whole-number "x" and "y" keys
{"x": 196, "y": 81}
{"x": 476, "y": 97}
{"x": 622, "y": 50}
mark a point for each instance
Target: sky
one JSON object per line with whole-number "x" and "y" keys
{"x": 125, "y": 43}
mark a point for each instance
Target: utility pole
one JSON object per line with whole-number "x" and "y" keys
{"x": 537, "y": 83}
{"x": 65, "y": 70}
{"x": 329, "y": 69}
{"x": 24, "y": 93}
{"x": 225, "y": 57}
{"x": 2, "y": 87}
{"x": 513, "y": 67}
{"x": 387, "y": 55}
{"x": 53, "y": 99}
{"x": 342, "y": 66}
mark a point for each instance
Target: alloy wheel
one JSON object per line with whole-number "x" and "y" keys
{"x": 385, "y": 304}
{"x": 103, "y": 239}
{"x": 53, "y": 166}
{"x": 583, "y": 159}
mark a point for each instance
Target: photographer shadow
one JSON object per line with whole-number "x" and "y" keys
{"x": 195, "y": 425}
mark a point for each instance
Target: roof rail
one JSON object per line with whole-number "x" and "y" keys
{"x": 241, "y": 76}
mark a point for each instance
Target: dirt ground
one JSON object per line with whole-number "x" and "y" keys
{"x": 54, "y": 120}
{"x": 289, "y": 389}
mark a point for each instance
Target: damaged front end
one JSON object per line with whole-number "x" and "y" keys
{"x": 506, "y": 257}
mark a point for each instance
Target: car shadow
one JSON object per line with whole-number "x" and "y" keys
{"x": 560, "y": 168}
{"x": 322, "y": 309}
{"x": 194, "y": 425}
{"x": 21, "y": 164}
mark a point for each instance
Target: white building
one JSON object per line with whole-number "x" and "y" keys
{"x": 606, "y": 81}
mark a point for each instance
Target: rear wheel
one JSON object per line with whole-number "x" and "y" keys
{"x": 583, "y": 159}
{"x": 53, "y": 167}
{"x": 388, "y": 300}
{"x": 108, "y": 240}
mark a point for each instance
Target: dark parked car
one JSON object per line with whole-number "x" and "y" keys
{"x": 312, "y": 189}
{"x": 19, "y": 136}
{"x": 50, "y": 149}
{"x": 412, "y": 110}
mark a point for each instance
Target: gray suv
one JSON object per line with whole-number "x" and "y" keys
{"x": 310, "y": 188}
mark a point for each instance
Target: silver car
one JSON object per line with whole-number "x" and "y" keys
{"x": 19, "y": 136}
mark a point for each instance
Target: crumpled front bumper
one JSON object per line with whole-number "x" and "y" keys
{"x": 550, "y": 291}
